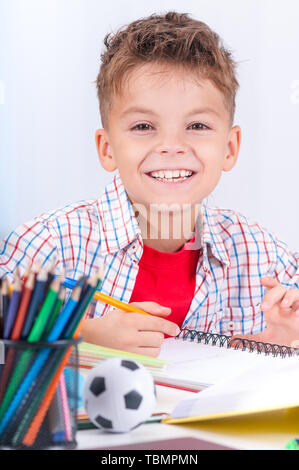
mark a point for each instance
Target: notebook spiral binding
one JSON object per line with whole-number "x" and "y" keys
{"x": 237, "y": 343}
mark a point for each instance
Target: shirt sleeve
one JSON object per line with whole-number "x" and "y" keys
{"x": 286, "y": 270}
{"x": 29, "y": 243}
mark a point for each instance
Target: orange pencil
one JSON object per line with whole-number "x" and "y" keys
{"x": 118, "y": 303}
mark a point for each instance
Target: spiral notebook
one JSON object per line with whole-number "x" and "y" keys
{"x": 199, "y": 360}
{"x": 262, "y": 391}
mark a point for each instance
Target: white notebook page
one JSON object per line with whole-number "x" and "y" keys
{"x": 260, "y": 387}
{"x": 205, "y": 364}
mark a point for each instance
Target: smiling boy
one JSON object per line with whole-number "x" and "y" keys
{"x": 167, "y": 90}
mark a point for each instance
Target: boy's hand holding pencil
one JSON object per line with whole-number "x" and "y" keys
{"x": 133, "y": 332}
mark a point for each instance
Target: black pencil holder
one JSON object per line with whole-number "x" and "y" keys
{"x": 38, "y": 405}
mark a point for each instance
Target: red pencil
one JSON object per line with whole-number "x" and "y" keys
{"x": 25, "y": 275}
{"x": 24, "y": 304}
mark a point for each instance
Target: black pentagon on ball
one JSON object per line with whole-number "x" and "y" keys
{"x": 97, "y": 386}
{"x": 132, "y": 400}
{"x": 103, "y": 422}
{"x": 129, "y": 364}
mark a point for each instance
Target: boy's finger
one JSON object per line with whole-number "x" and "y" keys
{"x": 154, "y": 323}
{"x": 269, "y": 281}
{"x": 290, "y": 297}
{"x": 150, "y": 339}
{"x": 152, "y": 307}
{"x": 273, "y": 296}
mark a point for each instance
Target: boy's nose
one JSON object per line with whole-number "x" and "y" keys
{"x": 168, "y": 149}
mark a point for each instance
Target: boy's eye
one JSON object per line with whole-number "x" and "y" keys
{"x": 199, "y": 126}
{"x": 144, "y": 126}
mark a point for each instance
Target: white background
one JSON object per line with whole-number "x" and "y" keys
{"x": 49, "y": 60}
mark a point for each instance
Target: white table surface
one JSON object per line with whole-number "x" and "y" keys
{"x": 167, "y": 397}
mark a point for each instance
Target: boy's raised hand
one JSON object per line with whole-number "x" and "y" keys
{"x": 132, "y": 332}
{"x": 281, "y": 310}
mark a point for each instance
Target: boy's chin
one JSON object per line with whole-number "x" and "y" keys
{"x": 162, "y": 204}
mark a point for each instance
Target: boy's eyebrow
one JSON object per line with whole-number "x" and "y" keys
{"x": 136, "y": 109}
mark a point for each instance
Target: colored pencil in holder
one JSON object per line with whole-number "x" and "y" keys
{"x": 39, "y": 362}
{"x": 55, "y": 418}
{"x": 12, "y": 355}
{"x": 13, "y": 306}
{"x": 13, "y": 411}
{"x": 27, "y": 355}
{"x": 67, "y": 419}
{"x": 73, "y": 331}
{"x": 4, "y": 302}
{"x": 36, "y": 300}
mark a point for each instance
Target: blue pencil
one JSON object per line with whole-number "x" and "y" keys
{"x": 35, "y": 302}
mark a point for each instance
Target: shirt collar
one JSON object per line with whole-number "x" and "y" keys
{"x": 119, "y": 226}
{"x": 212, "y": 234}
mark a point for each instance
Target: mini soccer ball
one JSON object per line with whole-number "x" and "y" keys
{"x": 119, "y": 394}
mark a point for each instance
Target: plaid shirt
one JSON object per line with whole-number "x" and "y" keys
{"x": 228, "y": 292}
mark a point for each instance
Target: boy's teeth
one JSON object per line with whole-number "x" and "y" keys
{"x": 170, "y": 174}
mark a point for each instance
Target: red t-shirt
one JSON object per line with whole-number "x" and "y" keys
{"x": 168, "y": 279}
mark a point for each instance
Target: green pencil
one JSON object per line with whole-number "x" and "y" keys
{"x": 55, "y": 313}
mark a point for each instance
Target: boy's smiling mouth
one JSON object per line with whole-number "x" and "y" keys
{"x": 171, "y": 176}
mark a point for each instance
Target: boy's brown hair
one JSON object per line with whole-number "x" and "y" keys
{"x": 170, "y": 39}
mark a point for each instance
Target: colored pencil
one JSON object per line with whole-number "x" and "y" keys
{"x": 65, "y": 408}
{"x": 29, "y": 389}
{"x": 107, "y": 299}
{"x": 55, "y": 312}
{"x": 39, "y": 362}
{"x": 73, "y": 331}
{"x": 42, "y": 317}
{"x": 88, "y": 294}
{"x": 118, "y": 303}
{"x": 24, "y": 303}
{"x": 13, "y": 306}
{"x": 35, "y": 303}
{"x": 5, "y": 300}
{"x": 37, "y": 421}
{"x": 34, "y": 335}
{"x": 56, "y": 420}
{"x": 53, "y": 323}
{"x": 12, "y": 353}
{"x": 1, "y": 311}
{"x": 25, "y": 275}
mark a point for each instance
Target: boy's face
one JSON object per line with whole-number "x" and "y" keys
{"x": 167, "y": 123}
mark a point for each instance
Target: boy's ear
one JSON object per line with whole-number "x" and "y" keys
{"x": 104, "y": 150}
{"x": 233, "y": 146}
